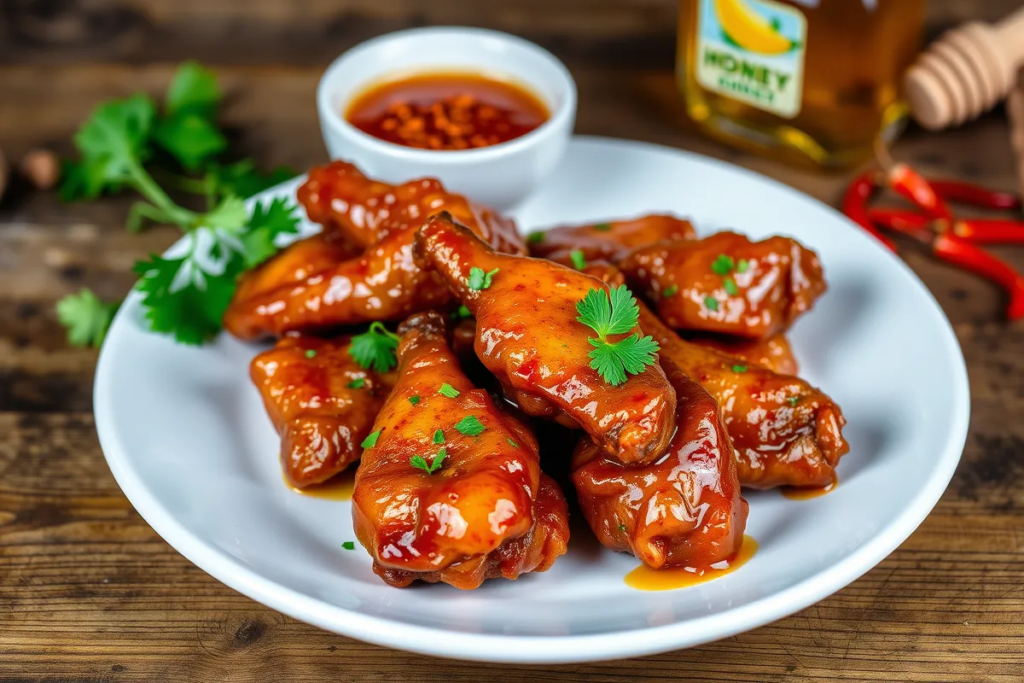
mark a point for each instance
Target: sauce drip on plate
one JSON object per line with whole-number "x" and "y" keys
{"x": 337, "y": 488}
{"x": 447, "y": 110}
{"x": 646, "y": 579}
{"x": 808, "y": 492}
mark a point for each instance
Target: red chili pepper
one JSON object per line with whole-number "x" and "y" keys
{"x": 900, "y": 220}
{"x": 962, "y": 253}
{"x": 912, "y": 185}
{"x": 990, "y": 231}
{"x": 855, "y": 206}
{"x": 975, "y": 195}
{"x": 977, "y": 230}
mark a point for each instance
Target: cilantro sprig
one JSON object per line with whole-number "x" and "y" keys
{"x": 419, "y": 462}
{"x": 130, "y": 144}
{"x": 376, "y": 348}
{"x": 612, "y": 314}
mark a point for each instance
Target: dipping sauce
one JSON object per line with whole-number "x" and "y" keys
{"x": 447, "y": 110}
{"x": 808, "y": 492}
{"x": 646, "y": 579}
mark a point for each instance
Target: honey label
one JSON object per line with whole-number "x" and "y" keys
{"x": 752, "y": 51}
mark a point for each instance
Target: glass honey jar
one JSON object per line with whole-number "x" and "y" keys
{"x": 814, "y": 82}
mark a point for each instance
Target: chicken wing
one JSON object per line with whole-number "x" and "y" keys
{"x": 383, "y": 282}
{"x": 772, "y": 352}
{"x": 725, "y": 283}
{"x": 449, "y": 487}
{"x": 528, "y": 336}
{"x": 321, "y": 402}
{"x": 609, "y": 241}
{"x": 785, "y": 432}
{"x": 685, "y": 509}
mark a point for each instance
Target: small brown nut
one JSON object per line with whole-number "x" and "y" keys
{"x": 41, "y": 167}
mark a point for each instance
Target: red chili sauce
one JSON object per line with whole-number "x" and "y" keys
{"x": 447, "y": 111}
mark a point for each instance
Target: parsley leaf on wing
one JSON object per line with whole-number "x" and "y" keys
{"x": 376, "y": 348}
{"x": 86, "y": 317}
{"x": 614, "y": 313}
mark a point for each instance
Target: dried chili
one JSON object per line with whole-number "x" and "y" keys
{"x": 962, "y": 253}
{"x": 855, "y": 208}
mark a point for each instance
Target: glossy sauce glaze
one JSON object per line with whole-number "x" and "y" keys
{"x": 447, "y": 111}
{"x": 380, "y": 280}
{"x": 646, "y": 579}
{"x": 338, "y": 488}
{"x": 529, "y": 337}
{"x": 807, "y": 493}
{"x": 486, "y": 511}
{"x": 727, "y": 284}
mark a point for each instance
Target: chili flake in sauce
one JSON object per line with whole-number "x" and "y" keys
{"x": 447, "y": 111}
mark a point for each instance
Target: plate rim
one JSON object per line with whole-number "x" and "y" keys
{"x": 517, "y": 649}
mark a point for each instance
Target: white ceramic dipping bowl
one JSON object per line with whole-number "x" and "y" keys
{"x": 499, "y": 176}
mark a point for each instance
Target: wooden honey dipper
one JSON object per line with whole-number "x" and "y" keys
{"x": 967, "y": 71}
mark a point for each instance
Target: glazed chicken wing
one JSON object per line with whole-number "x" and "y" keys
{"x": 383, "y": 282}
{"x": 486, "y": 510}
{"x": 727, "y": 284}
{"x": 772, "y": 352}
{"x": 784, "y": 431}
{"x": 321, "y": 402}
{"x": 609, "y": 241}
{"x": 528, "y": 336}
{"x": 684, "y": 509}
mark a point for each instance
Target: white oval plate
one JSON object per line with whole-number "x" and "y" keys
{"x": 186, "y": 436}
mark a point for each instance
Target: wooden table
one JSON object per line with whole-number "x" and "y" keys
{"x": 88, "y": 592}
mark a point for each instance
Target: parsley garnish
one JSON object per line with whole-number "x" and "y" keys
{"x": 478, "y": 279}
{"x": 439, "y": 436}
{"x": 348, "y": 545}
{"x": 420, "y": 462}
{"x": 535, "y": 238}
{"x": 793, "y": 400}
{"x": 375, "y": 348}
{"x": 310, "y": 353}
{"x": 357, "y": 383}
{"x": 739, "y": 368}
{"x": 470, "y": 426}
{"x": 603, "y": 227}
{"x": 86, "y": 318}
{"x": 185, "y": 295}
{"x": 612, "y": 313}
{"x": 414, "y": 400}
{"x": 371, "y": 440}
{"x": 448, "y": 390}
{"x": 511, "y": 443}
{"x": 579, "y": 261}
{"x": 743, "y": 266}
{"x": 730, "y": 287}
{"x": 723, "y": 265}
{"x": 671, "y": 290}
{"x": 711, "y": 303}
{"x": 463, "y": 312}
{"x": 622, "y": 527}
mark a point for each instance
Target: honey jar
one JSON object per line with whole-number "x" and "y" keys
{"x": 814, "y": 82}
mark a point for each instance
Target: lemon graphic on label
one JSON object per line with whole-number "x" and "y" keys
{"x": 750, "y": 30}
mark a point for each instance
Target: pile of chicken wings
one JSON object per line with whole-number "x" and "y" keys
{"x": 486, "y": 343}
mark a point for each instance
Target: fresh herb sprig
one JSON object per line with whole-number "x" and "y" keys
{"x": 127, "y": 144}
{"x": 611, "y": 314}
{"x": 375, "y": 349}
{"x": 419, "y": 462}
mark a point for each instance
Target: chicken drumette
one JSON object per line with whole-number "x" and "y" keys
{"x": 685, "y": 508}
{"x": 727, "y": 284}
{"x": 450, "y": 488}
{"x": 528, "y": 336}
{"x": 321, "y": 402}
{"x": 383, "y": 282}
{"x": 772, "y": 352}
{"x": 610, "y": 241}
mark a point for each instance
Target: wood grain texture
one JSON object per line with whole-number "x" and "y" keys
{"x": 88, "y": 592}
